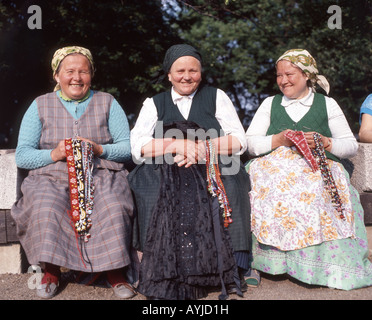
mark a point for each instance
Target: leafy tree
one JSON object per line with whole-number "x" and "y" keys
{"x": 128, "y": 40}
{"x": 241, "y": 39}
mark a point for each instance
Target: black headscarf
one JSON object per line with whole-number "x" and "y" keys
{"x": 178, "y": 51}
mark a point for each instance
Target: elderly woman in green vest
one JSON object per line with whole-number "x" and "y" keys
{"x": 307, "y": 220}
{"x": 76, "y": 208}
{"x": 191, "y": 239}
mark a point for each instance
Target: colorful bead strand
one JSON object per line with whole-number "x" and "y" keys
{"x": 79, "y": 156}
{"x": 215, "y": 184}
{"x": 327, "y": 176}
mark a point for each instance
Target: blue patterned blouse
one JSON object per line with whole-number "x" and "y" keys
{"x": 366, "y": 107}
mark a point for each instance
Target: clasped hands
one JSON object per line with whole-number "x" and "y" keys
{"x": 187, "y": 152}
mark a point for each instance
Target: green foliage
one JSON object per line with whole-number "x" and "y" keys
{"x": 239, "y": 39}
{"x": 242, "y": 39}
{"x": 128, "y": 40}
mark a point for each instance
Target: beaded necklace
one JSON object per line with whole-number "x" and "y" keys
{"x": 327, "y": 176}
{"x": 215, "y": 184}
{"x": 79, "y": 156}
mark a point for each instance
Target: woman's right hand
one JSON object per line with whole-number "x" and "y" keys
{"x": 59, "y": 153}
{"x": 280, "y": 139}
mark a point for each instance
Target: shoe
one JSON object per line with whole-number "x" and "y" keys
{"x": 252, "y": 278}
{"x": 231, "y": 289}
{"x": 47, "y": 290}
{"x": 123, "y": 290}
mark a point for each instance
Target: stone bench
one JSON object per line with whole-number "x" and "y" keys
{"x": 13, "y": 260}
{"x": 361, "y": 178}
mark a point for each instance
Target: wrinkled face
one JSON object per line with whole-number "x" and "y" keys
{"x": 74, "y": 76}
{"x": 292, "y": 81}
{"x": 185, "y": 75}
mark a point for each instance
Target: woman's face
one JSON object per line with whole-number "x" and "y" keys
{"x": 74, "y": 76}
{"x": 185, "y": 75}
{"x": 291, "y": 80}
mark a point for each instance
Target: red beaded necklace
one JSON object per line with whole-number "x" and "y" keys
{"x": 327, "y": 176}
{"x": 215, "y": 184}
{"x": 79, "y": 157}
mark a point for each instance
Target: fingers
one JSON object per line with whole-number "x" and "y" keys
{"x": 189, "y": 152}
{"x": 97, "y": 148}
{"x": 310, "y": 139}
{"x": 281, "y": 140}
{"x": 309, "y": 136}
{"x": 201, "y": 150}
{"x": 59, "y": 152}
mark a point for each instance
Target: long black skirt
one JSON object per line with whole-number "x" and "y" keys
{"x": 187, "y": 249}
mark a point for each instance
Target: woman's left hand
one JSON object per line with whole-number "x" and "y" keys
{"x": 97, "y": 148}
{"x": 327, "y": 142}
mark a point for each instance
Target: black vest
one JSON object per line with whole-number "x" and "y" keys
{"x": 202, "y": 112}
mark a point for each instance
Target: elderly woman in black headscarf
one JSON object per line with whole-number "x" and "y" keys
{"x": 190, "y": 188}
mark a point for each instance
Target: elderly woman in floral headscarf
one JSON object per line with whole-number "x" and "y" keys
{"x": 307, "y": 220}
{"x": 76, "y": 207}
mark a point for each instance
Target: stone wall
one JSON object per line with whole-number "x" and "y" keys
{"x": 361, "y": 178}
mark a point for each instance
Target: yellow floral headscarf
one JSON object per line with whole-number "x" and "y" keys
{"x": 303, "y": 59}
{"x": 60, "y": 54}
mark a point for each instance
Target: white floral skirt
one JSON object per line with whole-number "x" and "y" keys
{"x": 291, "y": 208}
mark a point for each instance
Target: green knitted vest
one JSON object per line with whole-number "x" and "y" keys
{"x": 316, "y": 119}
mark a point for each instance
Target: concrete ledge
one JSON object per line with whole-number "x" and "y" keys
{"x": 11, "y": 258}
{"x": 361, "y": 177}
{"x": 8, "y": 230}
{"x": 8, "y": 178}
{"x": 366, "y": 201}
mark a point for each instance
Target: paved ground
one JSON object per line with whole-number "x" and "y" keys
{"x": 16, "y": 287}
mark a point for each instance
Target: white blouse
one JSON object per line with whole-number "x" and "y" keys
{"x": 226, "y": 115}
{"x": 344, "y": 144}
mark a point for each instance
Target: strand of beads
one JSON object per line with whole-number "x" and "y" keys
{"x": 88, "y": 183}
{"x": 215, "y": 184}
{"x": 74, "y": 199}
{"x": 326, "y": 173}
{"x": 80, "y": 167}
